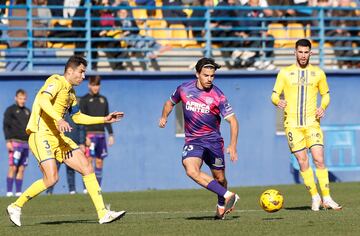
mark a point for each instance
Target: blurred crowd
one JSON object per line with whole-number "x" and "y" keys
{"x": 117, "y": 26}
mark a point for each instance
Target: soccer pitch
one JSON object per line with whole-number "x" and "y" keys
{"x": 188, "y": 212}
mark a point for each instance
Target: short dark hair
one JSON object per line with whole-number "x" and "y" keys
{"x": 95, "y": 80}
{"x": 206, "y": 63}
{"x": 303, "y": 43}
{"x": 75, "y": 61}
{"x": 20, "y": 91}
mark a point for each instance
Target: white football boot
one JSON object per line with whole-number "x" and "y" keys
{"x": 14, "y": 213}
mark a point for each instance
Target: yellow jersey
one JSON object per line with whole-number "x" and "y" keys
{"x": 55, "y": 98}
{"x": 301, "y": 87}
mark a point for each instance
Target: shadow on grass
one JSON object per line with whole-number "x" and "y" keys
{"x": 300, "y": 208}
{"x": 61, "y": 222}
{"x": 210, "y": 218}
{"x": 273, "y": 218}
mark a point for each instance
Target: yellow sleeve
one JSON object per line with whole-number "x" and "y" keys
{"x": 323, "y": 85}
{"x": 82, "y": 119}
{"x": 324, "y": 91}
{"x": 46, "y": 106}
{"x": 325, "y": 101}
{"x": 278, "y": 88}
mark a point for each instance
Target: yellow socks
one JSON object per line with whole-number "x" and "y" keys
{"x": 94, "y": 191}
{"x": 309, "y": 181}
{"x": 323, "y": 178}
{"x": 36, "y": 188}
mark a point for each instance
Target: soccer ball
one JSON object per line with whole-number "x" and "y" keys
{"x": 271, "y": 200}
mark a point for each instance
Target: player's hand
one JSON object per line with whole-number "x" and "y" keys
{"x": 162, "y": 122}
{"x": 9, "y": 146}
{"x": 63, "y": 126}
{"x": 114, "y": 117}
{"x": 87, "y": 141}
{"x": 82, "y": 148}
{"x": 111, "y": 140}
{"x": 320, "y": 113}
{"x": 233, "y": 153}
{"x": 282, "y": 104}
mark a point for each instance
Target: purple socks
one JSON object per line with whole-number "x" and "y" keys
{"x": 98, "y": 173}
{"x": 18, "y": 185}
{"x": 217, "y": 188}
{"x": 9, "y": 184}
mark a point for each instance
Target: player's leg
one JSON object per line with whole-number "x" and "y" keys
{"x": 23, "y": 162}
{"x": 70, "y": 176}
{"x": 214, "y": 158}
{"x": 99, "y": 163}
{"x": 10, "y": 179}
{"x": 219, "y": 176}
{"x": 297, "y": 144}
{"x": 50, "y": 177}
{"x": 192, "y": 167}
{"x": 19, "y": 180}
{"x": 315, "y": 142}
{"x": 79, "y": 163}
{"x": 100, "y": 154}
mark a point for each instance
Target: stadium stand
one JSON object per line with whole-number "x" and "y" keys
{"x": 63, "y": 36}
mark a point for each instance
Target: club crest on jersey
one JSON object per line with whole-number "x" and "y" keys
{"x": 102, "y": 100}
{"x": 50, "y": 88}
{"x": 209, "y": 100}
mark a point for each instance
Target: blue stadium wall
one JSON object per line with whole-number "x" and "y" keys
{"x": 147, "y": 157}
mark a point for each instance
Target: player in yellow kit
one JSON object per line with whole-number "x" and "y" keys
{"x": 301, "y": 83}
{"x": 47, "y": 141}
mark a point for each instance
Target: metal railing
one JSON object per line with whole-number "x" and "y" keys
{"x": 38, "y": 41}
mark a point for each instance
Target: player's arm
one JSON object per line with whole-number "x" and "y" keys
{"x": 82, "y": 119}
{"x": 167, "y": 108}
{"x": 325, "y": 96}
{"x": 277, "y": 90}
{"x": 6, "y": 127}
{"x": 108, "y": 127}
{"x": 234, "y": 131}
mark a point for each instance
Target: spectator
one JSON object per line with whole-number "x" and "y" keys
{"x": 248, "y": 58}
{"x": 200, "y": 23}
{"x": 342, "y": 24}
{"x": 131, "y": 37}
{"x": 223, "y": 28}
{"x": 107, "y": 20}
{"x": 174, "y": 16}
{"x": 44, "y": 14}
{"x": 149, "y": 4}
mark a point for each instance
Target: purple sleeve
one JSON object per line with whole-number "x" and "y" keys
{"x": 175, "y": 97}
{"x": 225, "y": 107}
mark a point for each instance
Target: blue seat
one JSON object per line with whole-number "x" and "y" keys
{"x": 340, "y": 150}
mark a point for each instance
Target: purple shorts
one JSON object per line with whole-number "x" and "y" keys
{"x": 211, "y": 153}
{"x": 97, "y": 146}
{"x": 20, "y": 155}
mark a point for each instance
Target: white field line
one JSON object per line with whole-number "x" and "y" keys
{"x": 137, "y": 213}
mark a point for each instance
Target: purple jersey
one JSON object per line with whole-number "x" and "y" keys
{"x": 202, "y": 109}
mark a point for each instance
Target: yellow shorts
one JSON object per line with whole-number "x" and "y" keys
{"x": 304, "y": 137}
{"x": 47, "y": 146}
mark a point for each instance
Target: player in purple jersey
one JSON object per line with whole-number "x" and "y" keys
{"x": 16, "y": 118}
{"x": 203, "y": 103}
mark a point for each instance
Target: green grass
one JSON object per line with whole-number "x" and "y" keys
{"x": 188, "y": 212}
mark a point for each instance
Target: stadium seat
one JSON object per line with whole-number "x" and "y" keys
{"x": 295, "y": 31}
{"x": 178, "y": 35}
{"x": 280, "y": 34}
{"x": 158, "y": 30}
